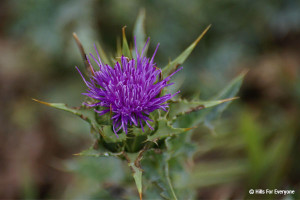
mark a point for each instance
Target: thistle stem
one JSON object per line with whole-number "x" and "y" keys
{"x": 169, "y": 180}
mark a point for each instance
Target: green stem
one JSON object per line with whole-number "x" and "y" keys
{"x": 169, "y": 180}
{"x": 134, "y": 144}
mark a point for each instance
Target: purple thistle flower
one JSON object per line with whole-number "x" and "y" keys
{"x": 130, "y": 90}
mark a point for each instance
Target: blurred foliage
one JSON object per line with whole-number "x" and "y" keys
{"x": 255, "y": 145}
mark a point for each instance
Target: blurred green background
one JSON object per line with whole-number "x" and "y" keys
{"x": 255, "y": 144}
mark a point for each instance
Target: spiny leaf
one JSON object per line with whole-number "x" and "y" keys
{"x": 167, "y": 174}
{"x": 182, "y": 107}
{"x": 180, "y": 146}
{"x": 133, "y": 159}
{"x": 139, "y": 30}
{"x": 125, "y": 48}
{"x": 157, "y": 171}
{"x": 179, "y": 155}
{"x": 89, "y": 115}
{"x": 228, "y": 92}
{"x": 137, "y": 175}
{"x": 84, "y": 114}
{"x": 210, "y": 114}
{"x": 91, "y": 152}
{"x": 154, "y": 172}
{"x": 164, "y": 130}
{"x": 183, "y": 56}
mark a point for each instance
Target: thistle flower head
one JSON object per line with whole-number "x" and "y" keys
{"x": 130, "y": 90}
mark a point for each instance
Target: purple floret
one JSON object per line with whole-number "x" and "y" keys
{"x": 130, "y": 90}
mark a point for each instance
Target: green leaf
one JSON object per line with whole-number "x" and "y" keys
{"x": 89, "y": 115}
{"x": 137, "y": 175}
{"x": 160, "y": 169}
{"x": 182, "y": 107}
{"x": 85, "y": 114}
{"x": 167, "y": 175}
{"x": 92, "y": 152}
{"x": 209, "y": 115}
{"x": 180, "y": 146}
{"x": 155, "y": 173}
{"x": 94, "y": 170}
{"x": 179, "y": 154}
{"x": 139, "y": 30}
{"x": 228, "y": 92}
{"x": 164, "y": 130}
{"x": 133, "y": 159}
{"x": 183, "y": 56}
{"x": 125, "y": 48}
